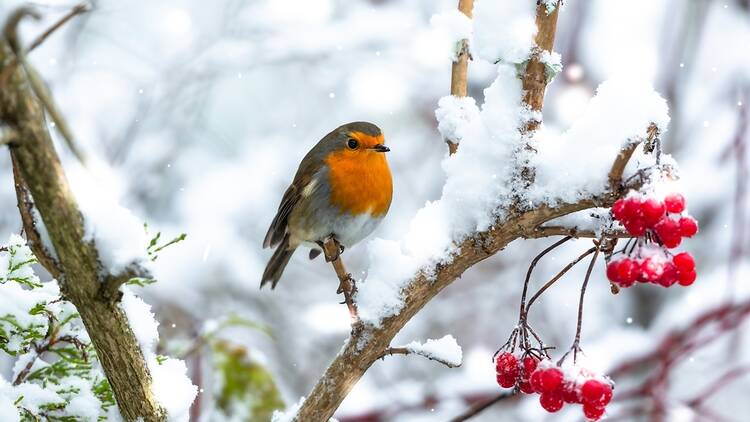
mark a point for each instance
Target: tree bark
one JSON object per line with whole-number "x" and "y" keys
{"x": 81, "y": 274}
{"x": 460, "y": 67}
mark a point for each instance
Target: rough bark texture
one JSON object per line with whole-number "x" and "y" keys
{"x": 535, "y": 77}
{"x": 80, "y": 279}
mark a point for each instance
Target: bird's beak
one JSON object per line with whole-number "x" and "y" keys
{"x": 380, "y": 148}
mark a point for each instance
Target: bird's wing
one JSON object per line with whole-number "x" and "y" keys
{"x": 305, "y": 175}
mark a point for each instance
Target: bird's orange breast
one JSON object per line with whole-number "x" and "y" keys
{"x": 360, "y": 182}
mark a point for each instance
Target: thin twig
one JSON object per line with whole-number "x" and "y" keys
{"x": 347, "y": 285}
{"x": 579, "y": 324}
{"x": 480, "y": 407}
{"x": 575, "y": 232}
{"x": 36, "y": 82}
{"x": 460, "y": 67}
{"x": 557, "y": 277}
{"x": 521, "y": 313}
{"x": 406, "y": 351}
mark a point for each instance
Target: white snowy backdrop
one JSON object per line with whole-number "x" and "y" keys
{"x": 195, "y": 114}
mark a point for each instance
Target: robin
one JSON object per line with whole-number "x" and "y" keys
{"x": 342, "y": 190}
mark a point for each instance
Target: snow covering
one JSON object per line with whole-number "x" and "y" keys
{"x": 453, "y": 115}
{"x": 119, "y": 236}
{"x": 503, "y": 30}
{"x": 172, "y": 387}
{"x": 455, "y": 26}
{"x": 621, "y": 111}
{"x": 445, "y": 349}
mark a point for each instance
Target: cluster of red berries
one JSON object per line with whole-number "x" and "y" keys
{"x": 555, "y": 386}
{"x": 658, "y": 225}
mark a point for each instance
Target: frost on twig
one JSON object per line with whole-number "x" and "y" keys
{"x": 444, "y": 350}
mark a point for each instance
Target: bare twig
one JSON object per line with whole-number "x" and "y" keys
{"x": 26, "y": 209}
{"x": 460, "y": 67}
{"x": 481, "y": 407}
{"x": 618, "y": 167}
{"x": 37, "y": 84}
{"x": 347, "y": 285}
{"x": 406, "y": 351}
{"x": 11, "y": 66}
{"x": 110, "y": 288}
{"x": 562, "y": 272}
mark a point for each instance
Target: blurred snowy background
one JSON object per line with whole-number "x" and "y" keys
{"x": 195, "y": 114}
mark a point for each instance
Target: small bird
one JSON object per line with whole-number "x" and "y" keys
{"x": 342, "y": 189}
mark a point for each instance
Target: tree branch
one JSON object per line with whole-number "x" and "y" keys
{"x": 367, "y": 345}
{"x": 406, "y": 351}
{"x": 575, "y": 232}
{"x": 347, "y": 285}
{"x": 40, "y": 167}
{"x": 460, "y": 67}
{"x": 481, "y": 407}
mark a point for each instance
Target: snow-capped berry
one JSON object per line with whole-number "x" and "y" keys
{"x": 505, "y": 380}
{"x": 551, "y": 402}
{"x": 593, "y": 412}
{"x": 618, "y": 209}
{"x": 507, "y": 364}
{"x": 596, "y": 392}
{"x": 684, "y": 262}
{"x": 529, "y": 366}
{"x": 669, "y": 275}
{"x": 635, "y": 227}
{"x": 652, "y": 210}
{"x": 686, "y": 278}
{"x": 651, "y": 269}
{"x": 688, "y": 226}
{"x": 552, "y": 379}
{"x": 570, "y": 393}
{"x": 675, "y": 203}
{"x": 632, "y": 209}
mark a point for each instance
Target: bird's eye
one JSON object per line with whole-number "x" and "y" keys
{"x": 352, "y": 143}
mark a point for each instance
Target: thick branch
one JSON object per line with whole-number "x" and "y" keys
{"x": 106, "y": 323}
{"x": 406, "y": 351}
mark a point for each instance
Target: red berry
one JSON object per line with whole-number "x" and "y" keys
{"x": 570, "y": 393}
{"x": 618, "y": 209}
{"x": 507, "y": 364}
{"x": 686, "y": 278}
{"x": 593, "y": 412}
{"x": 671, "y": 242}
{"x": 529, "y": 366}
{"x": 505, "y": 380}
{"x": 635, "y": 227}
{"x": 536, "y": 381}
{"x": 652, "y": 210}
{"x": 675, "y": 203}
{"x": 669, "y": 276}
{"x": 668, "y": 230}
{"x": 632, "y": 209}
{"x": 525, "y": 387}
{"x": 552, "y": 379}
{"x": 684, "y": 262}
{"x": 627, "y": 272}
{"x": 688, "y": 226}
{"x": 596, "y": 392}
{"x": 613, "y": 273}
{"x": 651, "y": 269}
{"x": 551, "y": 402}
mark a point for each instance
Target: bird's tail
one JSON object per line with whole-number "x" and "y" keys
{"x": 277, "y": 263}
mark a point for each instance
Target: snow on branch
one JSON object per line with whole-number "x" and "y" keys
{"x": 444, "y": 350}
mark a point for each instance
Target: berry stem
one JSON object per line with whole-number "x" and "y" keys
{"x": 575, "y": 347}
{"x": 522, "y": 313}
{"x": 557, "y": 277}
